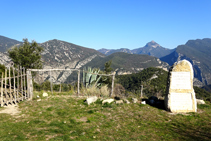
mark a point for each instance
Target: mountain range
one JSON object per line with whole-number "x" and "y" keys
{"x": 152, "y": 48}
{"x": 61, "y": 54}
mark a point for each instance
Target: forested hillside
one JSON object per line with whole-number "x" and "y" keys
{"x": 154, "y": 81}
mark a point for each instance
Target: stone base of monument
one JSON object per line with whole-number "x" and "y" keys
{"x": 180, "y": 95}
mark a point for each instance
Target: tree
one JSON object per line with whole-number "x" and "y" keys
{"x": 107, "y": 67}
{"x": 107, "y": 70}
{"x": 28, "y": 55}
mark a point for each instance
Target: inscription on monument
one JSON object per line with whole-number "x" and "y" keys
{"x": 181, "y": 101}
{"x": 180, "y": 80}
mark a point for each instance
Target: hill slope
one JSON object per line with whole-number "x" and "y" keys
{"x": 125, "y": 63}
{"x": 6, "y": 43}
{"x": 60, "y": 53}
{"x": 198, "y": 53}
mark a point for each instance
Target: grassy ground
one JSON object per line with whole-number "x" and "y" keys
{"x": 62, "y": 117}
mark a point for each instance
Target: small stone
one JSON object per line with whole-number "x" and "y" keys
{"x": 134, "y": 100}
{"x": 107, "y": 100}
{"x": 199, "y": 101}
{"x": 91, "y": 100}
{"x": 119, "y": 102}
{"x": 143, "y": 102}
{"x": 45, "y": 94}
{"x": 39, "y": 100}
{"x": 126, "y": 101}
{"x": 38, "y": 96}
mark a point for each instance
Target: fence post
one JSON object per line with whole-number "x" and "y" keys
{"x": 24, "y": 81}
{"x": 10, "y": 87}
{"x": 6, "y": 86}
{"x": 21, "y": 82}
{"x": 2, "y": 89}
{"x": 78, "y": 82}
{"x": 29, "y": 85}
{"x": 51, "y": 83}
{"x": 112, "y": 86}
{"x": 14, "y": 84}
{"x": 141, "y": 91}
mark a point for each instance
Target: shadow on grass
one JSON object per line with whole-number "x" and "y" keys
{"x": 157, "y": 103}
{"x": 188, "y": 131}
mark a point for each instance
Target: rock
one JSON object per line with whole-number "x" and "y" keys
{"x": 134, "y": 100}
{"x": 143, "y": 102}
{"x": 107, "y": 100}
{"x": 91, "y": 100}
{"x": 180, "y": 96}
{"x": 126, "y": 101}
{"x": 119, "y": 102}
{"x": 117, "y": 98}
{"x": 199, "y": 101}
{"x": 38, "y": 99}
{"x": 152, "y": 100}
{"x": 45, "y": 94}
{"x": 38, "y": 96}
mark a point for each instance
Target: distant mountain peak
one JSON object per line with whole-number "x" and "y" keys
{"x": 152, "y": 44}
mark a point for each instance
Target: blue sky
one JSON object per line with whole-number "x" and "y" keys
{"x": 110, "y": 24}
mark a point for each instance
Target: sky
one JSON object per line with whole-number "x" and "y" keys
{"x": 110, "y": 24}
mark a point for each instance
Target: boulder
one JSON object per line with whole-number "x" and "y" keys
{"x": 199, "y": 101}
{"x": 152, "y": 100}
{"x": 91, "y": 100}
{"x": 45, "y": 94}
{"x": 107, "y": 101}
{"x": 119, "y": 102}
{"x": 134, "y": 100}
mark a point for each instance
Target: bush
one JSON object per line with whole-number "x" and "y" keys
{"x": 104, "y": 91}
{"x": 119, "y": 90}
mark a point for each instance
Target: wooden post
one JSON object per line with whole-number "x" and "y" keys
{"x": 141, "y": 91}
{"x": 112, "y": 86}
{"x": 5, "y": 87}
{"x": 14, "y": 85}
{"x": 10, "y": 87}
{"x": 18, "y": 85}
{"x": 29, "y": 85}
{"x": 78, "y": 82}
{"x": 21, "y": 82}
{"x": 2, "y": 104}
{"x": 51, "y": 83}
{"x": 60, "y": 89}
{"x": 42, "y": 76}
{"x": 24, "y": 81}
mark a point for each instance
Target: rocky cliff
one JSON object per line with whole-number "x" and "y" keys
{"x": 198, "y": 53}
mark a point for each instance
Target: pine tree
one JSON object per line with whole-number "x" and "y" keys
{"x": 28, "y": 55}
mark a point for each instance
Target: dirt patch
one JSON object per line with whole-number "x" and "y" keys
{"x": 11, "y": 109}
{"x": 82, "y": 119}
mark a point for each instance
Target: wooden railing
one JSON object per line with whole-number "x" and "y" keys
{"x": 13, "y": 86}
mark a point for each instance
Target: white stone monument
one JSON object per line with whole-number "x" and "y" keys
{"x": 180, "y": 93}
